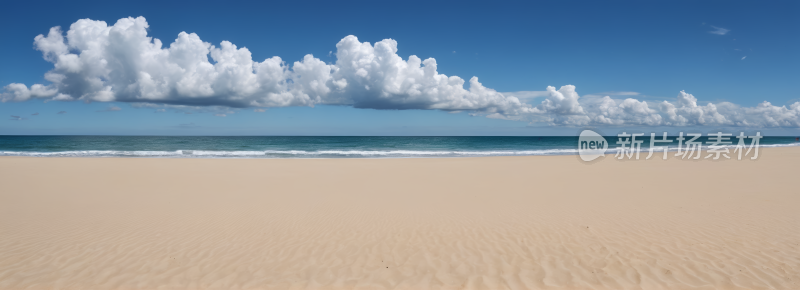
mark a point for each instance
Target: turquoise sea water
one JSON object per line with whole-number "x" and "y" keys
{"x": 305, "y": 147}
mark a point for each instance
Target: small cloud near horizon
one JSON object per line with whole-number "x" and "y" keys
{"x": 259, "y": 110}
{"x": 16, "y": 118}
{"x": 220, "y": 115}
{"x": 111, "y": 109}
{"x": 522, "y": 95}
{"x": 61, "y": 112}
{"x": 187, "y": 126}
{"x": 744, "y": 57}
{"x": 619, "y": 93}
{"x": 719, "y": 30}
{"x": 35, "y": 114}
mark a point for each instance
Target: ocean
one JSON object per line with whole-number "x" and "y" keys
{"x": 307, "y": 146}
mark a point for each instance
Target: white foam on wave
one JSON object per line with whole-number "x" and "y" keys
{"x": 319, "y": 153}
{"x": 780, "y": 145}
{"x": 89, "y": 153}
{"x": 286, "y": 153}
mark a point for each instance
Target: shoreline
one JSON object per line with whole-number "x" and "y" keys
{"x": 430, "y": 154}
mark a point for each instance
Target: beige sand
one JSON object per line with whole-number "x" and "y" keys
{"x": 458, "y": 223}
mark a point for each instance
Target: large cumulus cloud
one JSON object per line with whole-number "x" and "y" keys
{"x": 98, "y": 62}
{"x": 376, "y": 77}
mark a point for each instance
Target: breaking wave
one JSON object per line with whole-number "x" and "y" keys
{"x": 289, "y": 153}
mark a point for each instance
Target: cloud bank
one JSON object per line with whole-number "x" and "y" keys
{"x": 98, "y": 62}
{"x": 95, "y": 62}
{"x": 565, "y": 107}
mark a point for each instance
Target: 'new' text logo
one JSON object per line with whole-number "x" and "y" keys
{"x": 591, "y": 145}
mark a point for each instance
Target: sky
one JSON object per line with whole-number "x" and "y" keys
{"x": 399, "y": 68}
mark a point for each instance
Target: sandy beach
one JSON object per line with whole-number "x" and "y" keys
{"x": 539, "y": 222}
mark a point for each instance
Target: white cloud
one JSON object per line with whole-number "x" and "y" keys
{"x": 718, "y": 30}
{"x": 744, "y": 57}
{"x": 620, "y": 93}
{"x": 374, "y": 76}
{"x": 120, "y": 63}
{"x": 525, "y": 95}
{"x": 188, "y": 126}
{"x": 20, "y": 92}
{"x": 563, "y": 101}
{"x": 98, "y": 62}
{"x": 184, "y": 108}
{"x": 111, "y": 109}
{"x": 565, "y": 108}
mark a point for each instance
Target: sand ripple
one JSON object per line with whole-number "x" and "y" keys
{"x": 472, "y": 223}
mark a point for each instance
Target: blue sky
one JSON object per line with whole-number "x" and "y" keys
{"x": 737, "y": 52}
